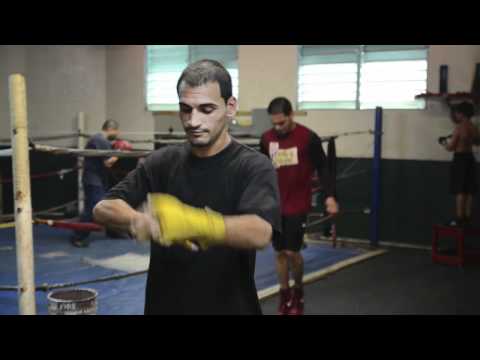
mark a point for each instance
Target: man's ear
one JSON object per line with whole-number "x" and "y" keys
{"x": 231, "y": 107}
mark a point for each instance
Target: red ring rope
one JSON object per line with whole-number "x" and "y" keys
{"x": 70, "y": 225}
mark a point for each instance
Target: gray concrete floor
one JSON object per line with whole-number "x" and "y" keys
{"x": 398, "y": 282}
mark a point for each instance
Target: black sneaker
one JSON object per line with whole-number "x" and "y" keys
{"x": 456, "y": 223}
{"x": 79, "y": 243}
{"x": 115, "y": 235}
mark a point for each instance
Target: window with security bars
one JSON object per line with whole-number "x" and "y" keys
{"x": 362, "y": 76}
{"x": 165, "y": 63}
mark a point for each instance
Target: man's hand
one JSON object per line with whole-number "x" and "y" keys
{"x": 183, "y": 224}
{"x": 442, "y": 140}
{"x": 122, "y": 145}
{"x": 110, "y": 161}
{"x": 331, "y": 205}
{"x": 145, "y": 227}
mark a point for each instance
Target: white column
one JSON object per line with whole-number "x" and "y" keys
{"x": 22, "y": 195}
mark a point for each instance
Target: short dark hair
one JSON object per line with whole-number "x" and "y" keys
{"x": 466, "y": 108}
{"x": 110, "y": 124}
{"x": 280, "y": 105}
{"x": 205, "y": 71}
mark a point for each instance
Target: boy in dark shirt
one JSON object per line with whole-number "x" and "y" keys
{"x": 95, "y": 175}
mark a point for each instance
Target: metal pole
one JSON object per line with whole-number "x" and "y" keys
{"x": 377, "y": 157}
{"x": 1, "y": 194}
{"x": 359, "y": 65}
{"x": 334, "y": 235}
{"x": 80, "y": 160}
{"x": 22, "y": 195}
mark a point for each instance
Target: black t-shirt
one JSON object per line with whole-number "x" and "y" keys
{"x": 95, "y": 172}
{"x": 220, "y": 280}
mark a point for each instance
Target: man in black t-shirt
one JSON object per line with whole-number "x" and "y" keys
{"x": 212, "y": 202}
{"x": 95, "y": 175}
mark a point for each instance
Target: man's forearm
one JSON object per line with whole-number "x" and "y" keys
{"x": 328, "y": 181}
{"x": 241, "y": 231}
{"x": 247, "y": 232}
{"x": 115, "y": 214}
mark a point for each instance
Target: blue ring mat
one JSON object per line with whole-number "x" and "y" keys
{"x": 124, "y": 296}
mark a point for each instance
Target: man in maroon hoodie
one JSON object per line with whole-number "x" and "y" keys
{"x": 296, "y": 153}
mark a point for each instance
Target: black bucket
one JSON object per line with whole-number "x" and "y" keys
{"x": 72, "y": 302}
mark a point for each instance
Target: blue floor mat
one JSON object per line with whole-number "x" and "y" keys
{"x": 56, "y": 261}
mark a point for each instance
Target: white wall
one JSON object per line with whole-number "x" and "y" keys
{"x": 126, "y": 90}
{"x": 267, "y": 71}
{"x": 61, "y": 81}
{"x": 12, "y": 60}
{"x": 108, "y": 81}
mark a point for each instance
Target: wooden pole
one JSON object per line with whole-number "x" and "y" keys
{"x": 80, "y": 161}
{"x": 22, "y": 195}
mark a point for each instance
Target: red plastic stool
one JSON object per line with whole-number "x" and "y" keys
{"x": 458, "y": 233}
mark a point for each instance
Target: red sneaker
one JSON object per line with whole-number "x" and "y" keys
{"x": 285, "y": 301}
{"x": 297, "y": 302}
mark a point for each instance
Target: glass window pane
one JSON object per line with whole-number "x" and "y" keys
{"x": 393, "y": 84}
{"x": 165, "y": 64}
{"x": 326, "y": 86}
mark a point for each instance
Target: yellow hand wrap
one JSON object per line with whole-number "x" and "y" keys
{"x": 182, "y": 224}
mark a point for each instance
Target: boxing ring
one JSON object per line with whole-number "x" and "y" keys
{"x": 117, "y": 268}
